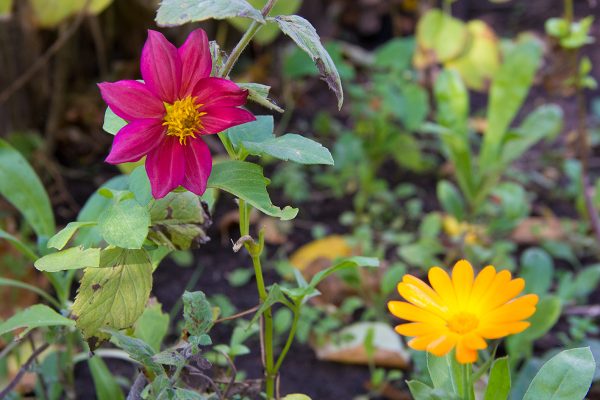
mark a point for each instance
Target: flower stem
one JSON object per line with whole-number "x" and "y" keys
{"x": 468, "y": 390}
{"x": 290, "y": 339}
{"x": 245, "y": 40}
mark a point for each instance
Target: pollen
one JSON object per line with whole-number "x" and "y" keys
{"x": 183, "y": 119}
{"x": 463, "y": 322}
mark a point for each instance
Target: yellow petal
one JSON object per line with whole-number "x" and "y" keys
{"x": 410, "y": 312}
{"x": 441, "y": 283}
{"x": 462, "y": 279}
{"x": 509, "y": 292}
{"x": 500, "y": 281}
{"x": 413, "y": 280}
{"x": 464, "y": 355}
{"x": 418, "y": 329}
{"x": 474, "y": 341}
{"x": 482, "y": 283}
{"x": 421, "y": 342}
{"x": 515, "y": 310}
{"x": 500, "y": 330}
{"x": 419, "y": 298}
{"x": 442, "y": 345}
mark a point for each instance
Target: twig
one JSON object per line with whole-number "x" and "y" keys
{"x": 15, "y": 381}
{"x": 41, "y": 378}
{"x": 238, "y": 315}
{"x": 591, "y": 311}
{"x": 135, "y": 393}
{"x": 233, "y": 374}
{"x": 43, "y": 60}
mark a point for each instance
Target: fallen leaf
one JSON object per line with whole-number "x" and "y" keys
{"x": 533, "y": 230}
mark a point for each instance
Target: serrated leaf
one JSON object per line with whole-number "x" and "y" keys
{"x": 179, "y": 12}
{"x": 61, "y": 239}
{"x": 566, "y": 376}
{"x": 306, "y": 37}
{"x": 291, "y": 147}
{"x": 20, "y": 185}
{"x": 124, "y": 224}
{"x": 246, "y": 181}
{"x": 260, "y": 94}
{"x": 113, "y": 297}
{"x": 197, "y": 312}
{"x": 179, "y": 221}
{"x": 36, "y": 316}
{"x": 72, "y": 258}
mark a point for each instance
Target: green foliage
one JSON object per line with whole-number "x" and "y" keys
{"x": 498, "y": 387}
{"x": 20, "y": 185}
{"x": 114, "y": 296}
{"x": 106, "y": 386}
{"x": 36, "y": 316}
{"x": 441, "y": 34}
{"x": 124, "y": 223}
{"x": 61, "y": 239}
{"x": 152, "y": 326}
{"x": 259, "y": 94}
{"x": 291, "y": 147}
{"x": 112, "y": 122}
{"x": 566, "y": 376}
{"x": 179, "y": 12}
{"x": 72, "y": 258}
{"x": 246, "y": 181}
{"x": 572, "y": 36}
{"x": 537, "y": 269}
{"x": 198, "y": 315}
{"x": 268, "y": 32}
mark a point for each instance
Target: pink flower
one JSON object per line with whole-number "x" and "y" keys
{"x": 169, "y": 112}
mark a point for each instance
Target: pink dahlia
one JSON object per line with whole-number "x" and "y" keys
{"x": 169, "y": 112}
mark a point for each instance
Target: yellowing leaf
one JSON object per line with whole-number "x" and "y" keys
{"x": 330, "y": 248}
{"x": 482, "y": 58}
{"x": 113, "y": 296}
{"x": 440, "y": 37}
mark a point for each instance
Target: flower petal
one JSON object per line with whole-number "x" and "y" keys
{"x": 421, "y": 299}
{"x": 198, "y": 165}
{"x": 494, "y": 290}
{"x": 135, "y": 140}
{"x": 219, "y": 92}
{"x": 515, "y": 310}
{"x": 442, "y": 345}
{"x": 217, "y": 119}
{"x": 465, "y": 355}
{"x": 165, "y": 166}
{"x": 161, "y": 67}
{"x": 474, "y": 341}
{"x": 418, "y": 329}
{"x": 462, "y": 279}
{"x": 410, "y": 312}
{"x": 441, "y": 283}
{"x": 196, "y": 61}
{"x": 421, "y": 342}
{"x": 495, "y": 331}
{"x": 509, "y": 292}
{"x": 131, "y": 100}
{"x": 482, "y": 283}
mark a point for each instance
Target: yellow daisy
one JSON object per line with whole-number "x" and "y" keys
{"x": 462, "y": 310}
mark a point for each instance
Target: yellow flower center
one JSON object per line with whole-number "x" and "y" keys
{"x": 183, "y": 119}
{"x": 463, "y": 322}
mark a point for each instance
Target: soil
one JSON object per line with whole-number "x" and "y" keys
{"x": 302, "y": 372}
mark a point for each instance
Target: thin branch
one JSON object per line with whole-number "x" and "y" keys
{"x": 238, "y": 315}
{"x": 15, "y": 381}
{"x": 135, "y": 393}
{"x": 43, "y": 60}
{"x": 233, "y": 375}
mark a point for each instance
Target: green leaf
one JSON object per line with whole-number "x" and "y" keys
{"x": 442, "y": 371}
{"x": 269, "y": 32}
{"x": 537, "y": 268}
{"x": 112, "y": 122}
{"x": 61, "y": 239}
{"x": 246, "y": 181}
{"x": 451, "y": 200}
{"x": 557, "y": 27}
{"x": 179, "y": 221}
{"x": 259, "y": 93}
{"x": 105, "y": 384}
{"x": 137, "y": 349}
{"x": 291, "y": 147}
{"x": 19, "y": 245}
{"x": 275, "y": 296}
{"x": 350, "y": 262}
{"x": 421, "y": 391}
{"x": 441, "y": 35}
{"x": 578, "y": 34}
{"x": 255, "y": 131}
{"x": 507, "y": 93}
{"x": 124, "y": 224}
{"x": 72, "y": 258}
{"x": 113, "y": 297}
{"x": 566, "y": 376}
{"x": 36, "y": 316}
{"x": 306, "y": 37}
{"x": 139, "y": 184}
{"x": 498, "y": 387}
{"x": 20, "y": 185}
{"x": 545, "y": 122}
{"x": 395, "y": 54}
{"x": 5, "y": 8}
{"x": 152, "y": 326}
{"x": 586, "y": 281}
{"x": 179, "y": 12}
{"x": 197, "y": 312}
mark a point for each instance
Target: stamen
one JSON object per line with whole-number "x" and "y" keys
{"x": 183, "y": 119}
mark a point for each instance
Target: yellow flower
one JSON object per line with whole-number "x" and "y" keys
{"x": 461, "y": 311}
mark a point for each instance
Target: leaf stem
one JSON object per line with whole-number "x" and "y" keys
{"x": 290, "y": 339}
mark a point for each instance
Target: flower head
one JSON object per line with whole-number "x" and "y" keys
{"x": 461, "y": 310}
{"x": 168, "y": 113}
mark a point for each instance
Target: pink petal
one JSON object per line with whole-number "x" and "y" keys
{"x": 219, "y": 92}
{"x": 217, "y": 119}
{"x": 165, "y": 166}
{"x": 196, "y": 61}
{"x": 135, "y": 140}
{"x": 161, "y": 67}
{"x": 131, "y": 100}
{"x": 198, "y": 165}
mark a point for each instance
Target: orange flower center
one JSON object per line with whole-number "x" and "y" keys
{"x": 463, "y": 322}
{"x": 183, "y": 119}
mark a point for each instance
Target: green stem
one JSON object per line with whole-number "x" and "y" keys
{"x": 468, "y": 390}
{"x": 569, "y": 11}
{"x": 290, "y": 339}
